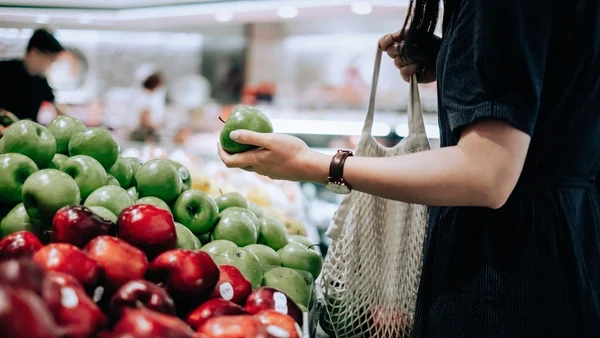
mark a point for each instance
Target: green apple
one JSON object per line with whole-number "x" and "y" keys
{"x": 134, "y": 162}
{"x": 57, "y": 160}
{"x": 185, "y": 175}
{"x": 186, "y": 239}
{"x": 158, "y": 178}
{"x": 122, "y": 171}
{"x": 16, "y": 220}
{"x": 247, "y": 212}
{"x": 87, "y": 173}
{"x": 218, "y": 247}
{"x": 45, "y": 192}
{"x": 247, "y": 118}
{"x": 133, "y": 193}
{"x": 256, "y": 209}
{"x": 63, "y": 128}
{"x": 301, "y": 239}
{"x": 232, "y": 199}
{"x": 111, "y": 197}
{"x": 103, "y": 212}
{"x": 237, "y": 228}
{"x": 1, "y": 146}
{"x": 197, "y": 211}
{"x": 155, "y": 201}
{"x": 266, "y": 255}
{"x": 245, "y": 261}
{"x": 299, "y": 257}
{"x": 96, "y": 143}
{"x": 14, "y": 170}
{"x": 272, "y": 232}
{"x": 112, "y": 180}
{"x": 290, "y": 282}
{"x": 32, "y": 140}
{"x": 302, "y": 307}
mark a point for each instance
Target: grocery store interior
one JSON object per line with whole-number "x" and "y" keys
{"x": 307, "y": 64}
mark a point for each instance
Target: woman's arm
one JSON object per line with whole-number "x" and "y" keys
{"x": 482, "y": 170}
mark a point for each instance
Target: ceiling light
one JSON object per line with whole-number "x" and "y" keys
{"x": 287, "y": 12}
{"x": 361, "y": 7}
{"x": 223, "y": 16}
{"x": 85, "y": 19}
{"x": 42, "y": 19}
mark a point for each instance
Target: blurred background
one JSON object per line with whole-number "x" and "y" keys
{"x": 307, "y": 64}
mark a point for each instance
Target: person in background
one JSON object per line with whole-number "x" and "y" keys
{"x": 150, "y": 105}
{"x": 23, "y": 85}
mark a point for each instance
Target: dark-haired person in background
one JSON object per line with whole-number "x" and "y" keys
{"x": 23, "y": 85}
{"x": 150, "y": 105}
{"x": 513, "y": 246}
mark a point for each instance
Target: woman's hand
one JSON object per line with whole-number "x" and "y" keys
{"x": 278, "y": 156}
{"x": 392, "y": 44}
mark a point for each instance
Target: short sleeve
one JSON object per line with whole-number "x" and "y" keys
{"x": 495, "y": 62}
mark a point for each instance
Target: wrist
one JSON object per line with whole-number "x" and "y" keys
{"x": 317, "y": 167}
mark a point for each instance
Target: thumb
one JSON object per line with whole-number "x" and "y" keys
{"x": 251, "y": 138}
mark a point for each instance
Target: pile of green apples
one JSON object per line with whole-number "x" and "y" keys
{"x": 43, "y": 169}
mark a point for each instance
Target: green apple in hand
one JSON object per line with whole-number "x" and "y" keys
{"x": 247, "y": 118}
{"x": 32, "y": 140}
{"x": 237, "y": 228}
{"x": 57, "y": 160}
{"x": 16, "y": 220}
{"x": 14, "y": 170}
{"x": 45, "y": 192}
{"x": 134, "y": 162}
{"x": 299, "y": 257}
{"x": 104, "y": 213}
{"x": 232, "y": 199}
{"x": 63, "y": 128}
{"x": 96, "y": 143}
{"x": 256, "y": 209}
{"x": 133, "y": 193}
{"x": 301, "y": 239}
{"x": 185, "y": 175}
{"x": 1, "y": 146}
{"x": 155, "y": 201}
{"x": 112, "y": 181}
{"x": 186, "y": 239}
{"x": 266, "y": 255}
{"x": 247, "y": 212}
{"x": 272, "y": 232}
{"x": 87, "y": 173}
{"x": 158, "y": 178}
{"x": 122, "y": 171}
{"x": 245, "y": 261}
{"x": 111, "y": 197}
{"x": 197, "y": 211}
{"x": 218, "y": 247}
{"x": 289, "y": 282}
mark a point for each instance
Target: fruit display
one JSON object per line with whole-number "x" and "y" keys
{"x": 98, "y": 244}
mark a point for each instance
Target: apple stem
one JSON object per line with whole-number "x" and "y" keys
{"x": 139, "y": 304}
{"x": 221, "y": 192}
{"x": 221, "y": 119}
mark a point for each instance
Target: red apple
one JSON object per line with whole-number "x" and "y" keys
{"x": 279, "y": 324}
{"x": 143, "y": 323}
{"x": 242, "y": 326}
{"x": 67, "y": 258}
{"x": 78, "y": 225}
{"x": 266, "y": 298}
{"x": 74, "y": 312}
{"x": 22, "y": 273}
{"x": 232, "y": 285}
{"x": 213, "y": 308}
{"x": 186, "y": 272}
{"x": 63, "y": 279}
{"x": 22, "y": 244}
{"x": 141, "y": 293}
{"x": 121, "y": 261}
{"x": 387, "y": 319}
{"x": 147, "y": 227}
{"x": 23, "y": 314}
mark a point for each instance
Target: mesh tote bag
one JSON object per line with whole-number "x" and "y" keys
{"x": 372, "y": 269}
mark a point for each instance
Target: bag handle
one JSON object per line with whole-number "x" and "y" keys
{"x": 416, "y": 125}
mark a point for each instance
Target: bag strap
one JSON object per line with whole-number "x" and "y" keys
{"x": 416, "y": 125}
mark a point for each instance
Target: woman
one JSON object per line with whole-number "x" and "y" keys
{"x": 150, "y": 105}
{"x": 513, "y": 246}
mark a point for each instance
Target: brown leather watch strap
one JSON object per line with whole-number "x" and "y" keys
{"x": 336, "y": 168}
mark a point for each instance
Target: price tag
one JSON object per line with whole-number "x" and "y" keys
{"x": 226, "y": 291}
{"x": 280, "y": 302}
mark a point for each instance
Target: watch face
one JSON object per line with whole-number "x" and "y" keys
{"x": 337, "y": 188}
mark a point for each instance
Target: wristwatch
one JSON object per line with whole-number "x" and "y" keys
{"x": 335, "y": 181}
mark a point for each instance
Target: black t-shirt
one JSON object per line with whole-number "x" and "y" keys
{"x": 20, "y": 92}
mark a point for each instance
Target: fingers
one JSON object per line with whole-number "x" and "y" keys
{"x": 243, "y": 160}
{"x": 261, "y": 140}
{"x": 408, "y": 70}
